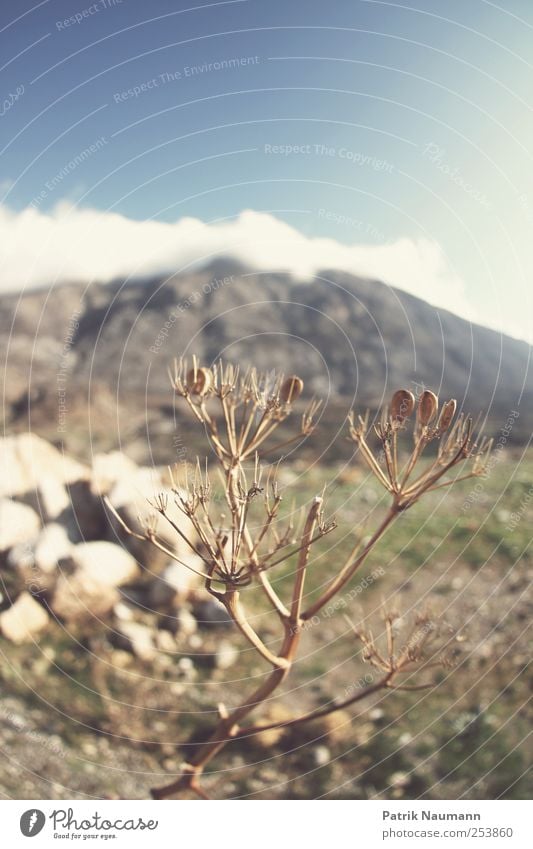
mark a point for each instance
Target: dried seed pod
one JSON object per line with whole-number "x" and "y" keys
{"x": 427, "y": 407}
{"x": 402, "y": 405}
{"x": 291, "y": 389}
{"x": 447, "y": 414}
{"x": 199, "y": 381}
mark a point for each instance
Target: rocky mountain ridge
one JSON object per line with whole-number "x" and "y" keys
{"x": 107, "y": 348}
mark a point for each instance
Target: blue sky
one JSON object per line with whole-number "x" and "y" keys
{"x": 392, "y": 137}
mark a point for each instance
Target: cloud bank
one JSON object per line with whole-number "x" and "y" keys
{"x": 74, "y": 244}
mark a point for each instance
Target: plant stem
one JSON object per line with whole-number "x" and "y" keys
{"x": 227, "y": 727}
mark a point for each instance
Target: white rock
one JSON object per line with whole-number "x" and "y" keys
{"x": 18, "y": 523}
{"x": 136, "y": 488}
{"x": 21, "y": 557}
{"x": 24, "y": 620}
{"x": 186, "y": 624}
{"x": 138, "y": 638}
{"x": 226, "y": 655}
{"x": 109, "y": 468}
{"x": 165, "y": 642}
{"x": 105, "y": 562}
{"x": 182, "y": 622}
{"x": 321, "y": 755}
{"x": 49, "y": 499}
{"x": 175, "y": 582}
{"x": 80, "y": 597}
{"x": 376, "y": 714}
{"x": 130, "y": 497}
{"x": 123, "y": 611}
{"x": 399, "y": 779}
{"x": 26, "y": 459}
{"x": 52, "y": 545}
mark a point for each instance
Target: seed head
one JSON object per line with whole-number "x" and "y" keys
{"x": 402, "y": 405}
{"x": 446, "y": 415}
{"x": 427, "y": 407}
{"x": 199, "y": 381}
{"x": 291, "y": 389}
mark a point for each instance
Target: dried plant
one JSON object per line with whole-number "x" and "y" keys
{"x": 240, "y": 413}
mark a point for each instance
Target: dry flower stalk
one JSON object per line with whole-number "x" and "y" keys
{"x": 240, "y": 412}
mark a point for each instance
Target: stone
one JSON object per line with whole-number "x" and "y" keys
{"x": 21, "y": 557}
{"x": 321, "y": 755}
{"x": 165, "y": 642}
{"x": 399, "y": 779}
{"x": 121, "y": 659}
{"x": 210, "y": 613}
{"x": 180, "y": 621}
{"x": 180, "y": 575}
{"x": 109, "y": 468}
{"x": 18, "y": 523}
{"x": 85, "y": 517}
{"x": 123, "y": 612}
{"x": 79, "y": 597}
{"x": 51, "y": 546}
{"x": 26, "y": 459}
{"x": 376, "y": 714}
{"x": 136, "y": 487}
{"x": 226, "y": 655}
{"x": 186, "y": 665}
{"x": 186, "y": 624}
{"x": 49, "y": 499}
{"x": 36, "y": 562}
{"x": 106, "y": 563}
{"x": 161, "y": 593}
{"x": 24, "y": 620}
{"x": 130, "y": 497}
{"x": 135, "y": 596}
{"x": 174, "y": 583}
{"x": 362, "y": 733}
{"x": 25, "y": 575}
{"x": 272, "y": 736}
{"x": 137, "y": 638}
{"x": 333, "y": 728}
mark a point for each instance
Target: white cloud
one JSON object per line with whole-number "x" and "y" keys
{"x": 40, "y": 249}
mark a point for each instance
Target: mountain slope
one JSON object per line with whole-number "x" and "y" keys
{"x": 350, "y": 338}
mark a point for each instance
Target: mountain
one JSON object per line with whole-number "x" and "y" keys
{"x": 106, "y": 348}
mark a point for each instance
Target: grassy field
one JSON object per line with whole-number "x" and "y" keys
{"x": 86, "y": 719}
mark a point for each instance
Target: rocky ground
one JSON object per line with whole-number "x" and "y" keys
{"x": 112, "y": 655}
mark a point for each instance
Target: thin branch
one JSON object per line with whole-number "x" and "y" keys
{"x": 151, "y": 538}
{"x": 233, "y": 606}
{"x": 303, "y": 559}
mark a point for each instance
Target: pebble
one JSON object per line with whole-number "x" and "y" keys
{"x": 399, "y": 779}
{"x": 226, "y": 655}
{"x": 321, "y": 755}
{"x": 376, "y": 714}
{"x": 165, "y": 641}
